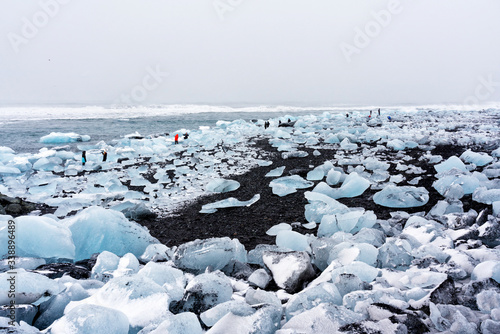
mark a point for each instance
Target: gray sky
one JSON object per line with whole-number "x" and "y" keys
{"x": 249, "y": 51}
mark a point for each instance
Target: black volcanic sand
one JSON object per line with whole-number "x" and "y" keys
{"x": 249, "y": 224}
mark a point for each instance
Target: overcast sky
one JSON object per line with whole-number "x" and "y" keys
{"x": 249, "y": 51}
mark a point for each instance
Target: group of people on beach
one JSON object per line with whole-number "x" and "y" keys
{"x": 84, "y": 156}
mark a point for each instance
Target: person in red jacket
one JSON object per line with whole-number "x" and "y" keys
{"x": 177, "y": 138}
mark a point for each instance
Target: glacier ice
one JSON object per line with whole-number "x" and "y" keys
{"x": 240, "y": 308}
{"x": 215, "y": 253}
{"x": 61, "y": 138}
{"x": 228, "y": 203}
{"x": 56, "y": 242}
{"x": 29, "y": 287}
{"x": 289, "y": 184}
{"x": 452, "y": 162}
{"x": 141, "y": 299}
{"x": 326, "y": 293}
{"x": 96, "y": 229}
{"x": 274, "y": 230}
{"x": 289, "y": 270}
{"x": 478, "y": 159}
{"x": 292, "y": 240}
{"x": 401, "y": 197}
{"x": 206, "y": 291}
{"x": 277, "y": 172}
{"x": 91, "y": 319}
{"x": 222, "y": 185}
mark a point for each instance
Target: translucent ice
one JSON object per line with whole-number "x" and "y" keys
{"x": 452, "y": 162}
{"x": 228, "y": 203}
{"x": 289, "y": 270}
{"x": 211, "y": 316}
{"x": 401, "y": 197}
{"x": 353, "y": 185}
{"x": 29, "y": 287}
{"x": 206, "y": 291}
{"x": 277, "y": 172}
{"x": 274, "y": 230}
{"x": 222, "y": 185}
{"x": 170, "y": 278}
{"x": 59, "y": 138}
{"x": 486, "y": 196}
{"x": 478, "y": 159}
{"x": 316, "y": 174}
{"x": 39, "y": 237}
{"x": 265, "y": 320}
{"x": 182, "y": 323}
{"x": 487, "y": 269}
{"x": 310, "y": 298}
{"x": 140, "y": 298}
{"x": 292, "y": 240}
{"x": 215, "y": 252}
{"x": 333, "y": 177}
{"x": 289, "y": 184}
{"x": 96, "y": 229}
{"x": 106, "y": 263}
{"x": 91, "y": 319}
{"x": 468, "y": 183}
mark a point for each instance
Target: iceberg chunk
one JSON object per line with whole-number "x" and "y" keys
{"x": 289, "y": 184}
{"x": 478, "y": 159}
{"x": 96, "y": 229}
{"x": 228, "y": 203}
{"x": 215, "y": 253}
{"x": 277, "y": 172}
{"x": 29, "y": 287}
{"x": 62, "y": 138}
{"x": 91, "y": 319}
{"x": 41, "y": 237}
{"x": 222, "y": 185}
{"x": 452, "y": 162}
{"x": 401, "y": 197}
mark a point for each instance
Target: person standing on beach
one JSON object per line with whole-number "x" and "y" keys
{"x": 379, "y": 111}
{"x": 177, "y": 138}
{"x": 104, "y": 155}
{"x": 84, "y": 158}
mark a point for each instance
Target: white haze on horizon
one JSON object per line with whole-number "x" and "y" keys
{"x": 326, "y": 52}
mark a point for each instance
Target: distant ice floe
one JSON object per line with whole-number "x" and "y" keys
{"x": 63, "y": 138}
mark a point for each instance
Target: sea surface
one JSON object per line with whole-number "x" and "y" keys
{"x": 21, "y": 127}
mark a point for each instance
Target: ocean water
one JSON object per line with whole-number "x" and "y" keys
{"x": 22, "y": 127}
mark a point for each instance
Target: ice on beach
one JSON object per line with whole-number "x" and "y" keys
{"x": 346, "y": 144}
{"x": 266, "y": 320}
{"x": 452, "y": 162}
{"x": 96, "y": 229}
{"x": 468, "y": 183}
{"x": 485, "y": 270}
{"x": 277, "y": 172}
{"x": 292, "y": 240}
{"x": 182, "y": 323}
{"x": 29, "y": 287}
{"x": 141, "y": 299}
{"x": 206, "y": 291}
{"x": 289, "y": 269}
{"x": 326, "y": 293}
{"x": 228, "y": 203}
{"x": 222, "y": 185}
{"x": 478, "y": 159}
{"x": 39, "y": 237}
{"x": 401, "y": 197}
{"x": 333, "y": 177}
{"x": 170, "y": 278}
{"x": 324, "y": 318}
{"x": 354, "y": 185}
{"x": 396, "y": 144}
{"x": 240, "y": 308}
{"x": 274, "y": 230}
{"x": 316, "y": 174}
{"x": 486, "y": 196}
{"x": 106, "y": 263}
{"x": 61, "y": 138}
{"x": 259, "y": 278}
{"x": 289, "y": 184}
{"x": 91, "y": 319}
{"x": 215, "y": 253}
{"x": 157, "y": 252}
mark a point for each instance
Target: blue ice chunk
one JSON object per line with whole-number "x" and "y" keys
{"x": 215, "y": 253}
{"x": 96, "y": 229}
{"x": 277, "y": 172}
{"x": 91, "y": 319}
{"x": 401, "y": 197}
{"x": 478, "y": 159}
{"x": 289, "y": 184}
{"x": 312, "y": 297}
{"x": 292, "y": 240}
{"x": 222, "y": 185}
{"x": 452, "y": 162}
{"x": 228, "y": 203}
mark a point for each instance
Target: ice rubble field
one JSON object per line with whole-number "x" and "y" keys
{"x": 435, "y": 271}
